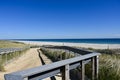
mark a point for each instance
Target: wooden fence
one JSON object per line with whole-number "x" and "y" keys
{"x": 62, "y": 67}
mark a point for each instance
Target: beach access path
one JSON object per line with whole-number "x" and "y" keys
{"x": 48, "y": 61}
{"x": 28, "y": 60}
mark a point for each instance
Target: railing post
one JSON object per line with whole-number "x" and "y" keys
{"x": 95, "y": 64}
{"x": 82, "y": 70}
{"x": 93, "y": 67}
{"x": 65, "y": 72}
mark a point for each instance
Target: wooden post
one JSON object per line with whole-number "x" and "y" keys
{"x": 82, "y": 70}
{"x": 65, "y": 72}
{"x": 95, "y": 65}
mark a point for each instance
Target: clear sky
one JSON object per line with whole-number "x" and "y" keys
{"x": 59, "y": 19}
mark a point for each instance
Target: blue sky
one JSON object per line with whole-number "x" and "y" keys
{"x": 59, "y": 19}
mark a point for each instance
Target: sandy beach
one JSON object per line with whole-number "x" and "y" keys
{"x": 29, "y": 60}
{"x": 86, "y": 45}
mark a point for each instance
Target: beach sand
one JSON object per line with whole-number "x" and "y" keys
{"x": 29, "y": 60}
{"x": 85, "y": 45}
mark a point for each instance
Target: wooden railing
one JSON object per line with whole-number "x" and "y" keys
{"x": 62, "y": 67}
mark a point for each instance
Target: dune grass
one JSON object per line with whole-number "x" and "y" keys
{"x": 7, "y": 58}
{"x": 56, "y": 55}
{"x": 12, "y": 55}
{"x": 109, "y": 67}
{"x": 109, "y": 63}
{"x": 9, "y": 44}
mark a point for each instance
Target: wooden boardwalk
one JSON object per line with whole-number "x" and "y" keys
{"x": 62, "y": 67}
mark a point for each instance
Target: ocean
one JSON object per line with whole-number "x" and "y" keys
{"x": 93, "y": 41}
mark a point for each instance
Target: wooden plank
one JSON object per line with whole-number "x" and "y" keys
{"x": 65, "y": 72}
{"x": 37, "y": 70}
{"x": 13, "y": 77}
{"x": 93, "y": 67}
{"x": 82, "y": 70}
{"x": 45, "y": 75}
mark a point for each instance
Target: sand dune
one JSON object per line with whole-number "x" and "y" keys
{"x": 29, "y": 60}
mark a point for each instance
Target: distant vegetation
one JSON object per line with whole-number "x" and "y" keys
{"x": 9, "y": 44}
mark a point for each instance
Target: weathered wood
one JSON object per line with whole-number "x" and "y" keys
{"x": 55, "y": 65}
{"x": 82, "y": 70}
{"x": 45, "y": 75}
{"x": 93, "y": 67}
{"x": 65, "y": 72}
{"x": 13, "y": 77}
{"x": 96, "y": 66}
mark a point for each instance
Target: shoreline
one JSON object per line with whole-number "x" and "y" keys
{"x": 85, "y": 45}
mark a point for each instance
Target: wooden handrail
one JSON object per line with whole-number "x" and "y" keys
{"x": 55, "y": 68}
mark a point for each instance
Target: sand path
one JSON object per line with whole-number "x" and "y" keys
{"x": 48, "y": 61}
{"x": 29, "y": 60}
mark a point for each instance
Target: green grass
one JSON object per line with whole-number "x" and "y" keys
{"x": 11, "y": 44}
{"x": 56, "y": 55}
{"x": 109, "y": 67}
{"x": 109, "y": 64}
